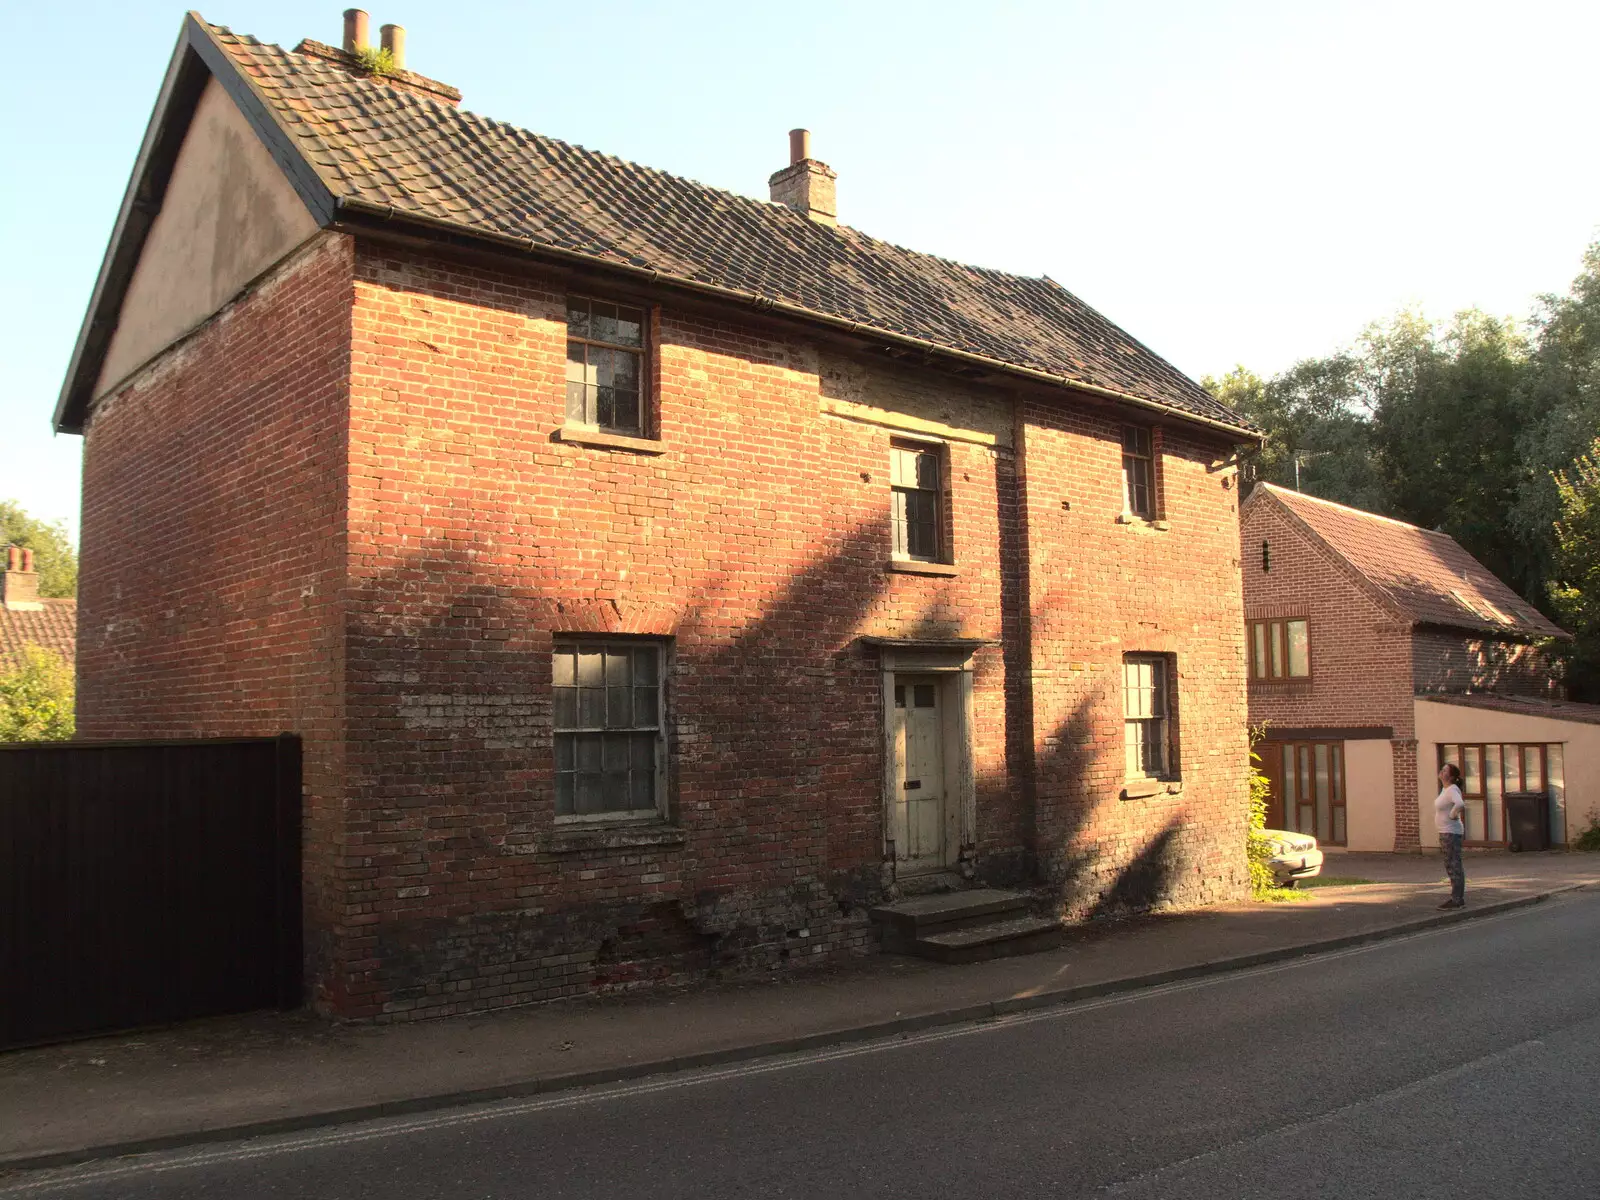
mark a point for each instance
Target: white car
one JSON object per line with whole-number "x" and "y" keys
{"x": 1295, "y": 856}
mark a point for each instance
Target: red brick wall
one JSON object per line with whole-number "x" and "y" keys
{"x": 212, "y": 544}
{"x": 1098, "y": 589}
{"x": 1360, "y": 653}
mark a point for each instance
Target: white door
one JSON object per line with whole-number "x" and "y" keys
{"x": 919, "y": 824}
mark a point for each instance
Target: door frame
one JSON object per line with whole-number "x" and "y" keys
{"x": 952, "y": 665}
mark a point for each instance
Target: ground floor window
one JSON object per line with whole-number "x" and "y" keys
{"x": 1308, "y": 780}
{"x": 609, "y": 751}
{"x": 1148, "y": 743}
{"x": 1491, "y": 769}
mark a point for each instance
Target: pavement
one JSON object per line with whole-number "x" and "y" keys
{"x": 242, "y": 1076}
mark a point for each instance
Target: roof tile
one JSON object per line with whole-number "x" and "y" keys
{"x": 388, "y": 145}
{"x": 54, "y": 626}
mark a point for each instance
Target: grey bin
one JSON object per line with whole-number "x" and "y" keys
{"x": 1528, "y": 820}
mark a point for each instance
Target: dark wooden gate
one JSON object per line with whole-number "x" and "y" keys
{"x": 146, "y": 882}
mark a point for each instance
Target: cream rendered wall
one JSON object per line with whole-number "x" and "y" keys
{"x": 228, "y": 215}
{"x": 1454, "y": 723}
{"x": 1368, "y": 795}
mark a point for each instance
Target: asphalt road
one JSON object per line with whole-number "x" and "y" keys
{"x": 1460, "y": 1063}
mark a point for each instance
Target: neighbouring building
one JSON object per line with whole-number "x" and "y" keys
{"x": 657, "y": 577}
{"x": 1378, "y": 651}
{"x": 28, "y": 619}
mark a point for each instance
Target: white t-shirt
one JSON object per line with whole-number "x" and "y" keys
{"x": 1444, "y": 817}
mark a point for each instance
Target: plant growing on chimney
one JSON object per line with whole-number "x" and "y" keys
{"x": 375, "y": 60}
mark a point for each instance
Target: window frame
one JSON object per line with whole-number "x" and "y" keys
{"x": 1297, "y": 769}
{"x": 1163, "y": 687}
{"x": 899, "y": 525}
{"x": 1151, "y": 511}
{"x": 1267, "y": 649}
{"x": 644, "y": 352}
{"x": 1478, "y": 800}
{"x": 605, "y": 644}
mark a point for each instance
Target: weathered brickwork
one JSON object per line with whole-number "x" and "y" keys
{"x": 462, "y": 535}
{"x": 212, "y": 554}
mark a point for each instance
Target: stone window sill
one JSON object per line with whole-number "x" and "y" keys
{"x": 1138, "y": 789}
{"x": 578, "y": 838}
{"x": 911, "y": 566}
{"x": 579, "y": 436}
{"x": 1128, "y": 518}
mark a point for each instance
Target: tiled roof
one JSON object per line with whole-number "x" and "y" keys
{"x": 381, "y": 145}
{"x": 1426, "y": 574}
{"x": 54, "y": 626}
{"x": 1526, "y": 706}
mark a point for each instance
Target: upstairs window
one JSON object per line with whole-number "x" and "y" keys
{"x": 1280, "y": 649}
{"x": 914, "y": 481}
{"x": 1146, "y": 716}
{"x": 1138, "y": 473}
{"x": 605, "y": 366}
{"x": 609, "y": 745}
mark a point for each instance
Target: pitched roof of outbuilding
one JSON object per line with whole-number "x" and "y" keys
{"x": 53, "y": 626}
{"x": 360, "y": 149}
{"x": 1425, "y": 574}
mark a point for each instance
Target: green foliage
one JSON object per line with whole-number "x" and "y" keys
{"x": 53, "y": 555}
{"x": 1322, "y": 881}
{"x": 1589, "y": 839}
{"x": 36, "y": 699}
{"x": 1258, "y": 850}
{"x": 376, "y": 60}
{"x": 1575, "y": 586}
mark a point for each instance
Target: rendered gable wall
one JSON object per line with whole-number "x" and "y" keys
{"x": 228, "y": 215}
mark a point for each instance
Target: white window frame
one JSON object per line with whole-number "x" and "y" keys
{"x": 577, "y": 728}
{"x": 900, "y": 451}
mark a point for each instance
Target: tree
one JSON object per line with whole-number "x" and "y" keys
{"x": 1575, "y": 589}
{"x": 53, "y": 555}
{"x": 36, "y": 698}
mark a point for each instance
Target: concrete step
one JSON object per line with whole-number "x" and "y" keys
{"x": 997, "y": 939}
{"x": 920, "y": 915}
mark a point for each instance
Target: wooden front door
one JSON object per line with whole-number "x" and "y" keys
{"x": 920, "y": 799}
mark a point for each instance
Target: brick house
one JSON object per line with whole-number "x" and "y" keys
{"x": 1377, "y": 652}
{"x": 28, "y": 619}
{"x": 658, "y": 577}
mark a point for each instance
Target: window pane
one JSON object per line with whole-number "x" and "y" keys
{"x": 928, "y": 471}
{"x": 922, "y": 530}
{"x": 619, "y": 707}
{"x": 589, "y": 794}
{"x": 588, "y": 748}
{"x": 1291, "y": 793}
{"x": 922, "y": 695}
{"x": 618, "y": 665}
{"x": 1449, "y": 753}
{"x": 591, "y": 708}
{"x": 578, "y": 318}
{"x": 1136, "y": 440}
{"x": 1339, "y": 832}
{"x": 1132, "y": 741}
{"x": 630, "y": 326}
{"x": 1259, "y": 637}
{"x": 1472, "y": 770}
{"x": 591, "y": 668}
{"x": 1276, "y": 631}
{"x": 1324, "y": 794}
{"x": 643, "y": 752}
{"x": 1299, "y": 650}
{"x": 645, "y": 661}
{"x": 565, "y": 759}
{"x": 1532, "y": 769}
{"x": 899, "y": 695}
{"x": 642, "y": 790}
{"x": 1136, "y": 486}
{"x": 898, "y": 512}
{"x": 1492, "y": 781}
{"x": 614, "y": 752}
{"x": 566, "y": 708}
{"x": 644, "y": 705}
{"x": 1158, "y": 688}
{"x": 625, "y": 411}
{"x": 565, "y": 787}
{"x": 1555, "y": 770}
{"x": 565, "y": 668}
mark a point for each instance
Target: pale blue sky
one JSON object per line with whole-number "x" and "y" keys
{"x": 1231, "y": 181}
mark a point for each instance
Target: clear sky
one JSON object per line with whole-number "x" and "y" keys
{"x": 1230, "y": 181}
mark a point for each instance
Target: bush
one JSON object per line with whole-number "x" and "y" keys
{"x": 1257, "y": 848}
{"x": 1589, "y": 839}
{"x": 36, "y": 699}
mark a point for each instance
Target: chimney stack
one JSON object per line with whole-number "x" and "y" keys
{"x": 394, "y": 41}
{"x": 19, "y": 586}
{"x": 355, "y": 30}
{"x": 806, "y": 185}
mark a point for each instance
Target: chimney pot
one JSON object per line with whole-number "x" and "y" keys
{"x": 394, "y": 41}
{"x": 13, "y": 558}
{"x": 799, "y": 145}
{"x": 27, "y": 559}
{"x": 355, "y": 29}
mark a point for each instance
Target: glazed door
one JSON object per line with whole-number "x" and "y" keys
{"x": 921, "y": 796}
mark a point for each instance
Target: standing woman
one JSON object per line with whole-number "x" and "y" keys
{"x": 1447, "y": 810}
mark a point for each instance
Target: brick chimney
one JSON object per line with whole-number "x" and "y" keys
{"x": 357, "y": 39}
{"x": 806, "y": 185}
{"x": 19, "y": 586}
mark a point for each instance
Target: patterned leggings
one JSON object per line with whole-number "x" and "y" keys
{"x": 1451, "y": 842}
